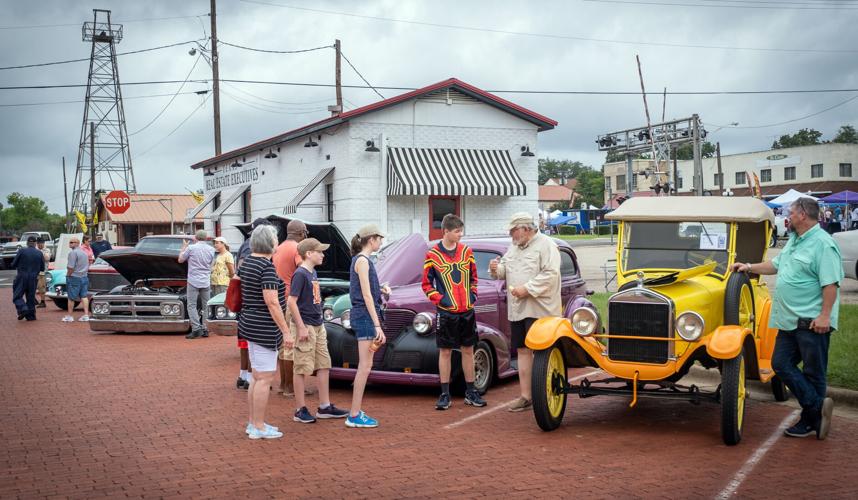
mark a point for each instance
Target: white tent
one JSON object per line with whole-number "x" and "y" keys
{"x": 790, "y": 196}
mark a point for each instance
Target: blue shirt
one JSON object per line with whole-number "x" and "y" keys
{"x": 78, "y": 261}
{"x": 29, "y": 260}
{"x": 359, "y": 307}
{"x": 200, "y": 257}
{"x": 308, "y": 295}
{"x": 806, "y": 264}
{"x": 100, "y": 246}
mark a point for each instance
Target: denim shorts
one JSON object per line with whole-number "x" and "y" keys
{"x": 77, "y": 288}
{"x": 363, "y": 328}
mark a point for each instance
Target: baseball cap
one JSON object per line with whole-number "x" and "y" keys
{"x": 31, "y": 239}
{"x": 518, "y": 219}
{"x": 311, "y": 244}
{"x": 296, "y": 226}
{"x": 222, "y": 240}
{"x": 370, "y": 230}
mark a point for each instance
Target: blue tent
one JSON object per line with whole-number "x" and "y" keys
{"x": 771, "y": 205}
{"x": 560, "y": 220}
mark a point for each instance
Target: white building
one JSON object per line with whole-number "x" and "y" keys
{"x": 402, "y": 163}
{"x": 821, "y": 169}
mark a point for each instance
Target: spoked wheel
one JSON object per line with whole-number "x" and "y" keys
{"x": 549, "y": 387}
{"x": 733, "y": 395}
{"x": 484, "y": 365}
{"x": 779, "y": 389}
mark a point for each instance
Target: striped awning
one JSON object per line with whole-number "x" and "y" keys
{"x": 229, "y": 201}
{"x": 292, "y": 206}
{"x": 429, "y": 171}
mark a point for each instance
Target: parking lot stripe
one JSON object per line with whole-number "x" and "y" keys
{"x": 504, "y": 405}
{"x": 758, "y": 455}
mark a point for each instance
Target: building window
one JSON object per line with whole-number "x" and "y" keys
{"x": 329, "y": 199}
{"x": 816, "y": 170}
{"x": 621, "y": 182}
{"x": 718, "y": 179}
{"x": 766, "y": 175}
{"x": 789, "y": 173}
{"x": 634, "y": 182}
{"x": 740, "y": 178}
{"x": 845, "y": 170}
{"x": 607, "y": 183}
{"x": 679, "y": 183}
{"x": 245, "y": 206}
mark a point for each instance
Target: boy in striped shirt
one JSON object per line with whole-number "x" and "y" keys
{"x": 450, "y": 282}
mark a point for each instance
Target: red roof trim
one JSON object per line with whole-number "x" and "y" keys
{"x": 543, "y": 122}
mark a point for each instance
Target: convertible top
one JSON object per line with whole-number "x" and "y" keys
{"x": 693, "y": 209}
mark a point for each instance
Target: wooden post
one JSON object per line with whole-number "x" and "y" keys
{"x": 338, "y": 80}
{"x": 215, "y": 79}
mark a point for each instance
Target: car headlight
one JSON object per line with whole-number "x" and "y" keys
{"x": 101, "y": 308}
{"x": 689, "y": 326}
{"x": 328, "y": 313}
{"x": 345, "y": 319}
{"x": 584, "y": 321}
{"x": 220, "y": 312}
{"x": 176, "y": 309}
{"x": 422, "y": 322}
{"x": 48, "y": 278}
{"x": 230, "y": 314}
{"x": 170, "y": 309}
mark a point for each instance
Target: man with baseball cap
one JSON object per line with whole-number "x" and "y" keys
{"x": 286, "y": 260}
{"x": 531, "y": 268}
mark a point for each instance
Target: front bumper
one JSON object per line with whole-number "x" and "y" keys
{"x": 227, "y": 327}
{"x": 138, "y": 326}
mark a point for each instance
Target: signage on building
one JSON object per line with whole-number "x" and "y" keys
{"x": 233, "y": 176}
{"x": 117, "y": 202}
{"x": 775, "y": 157}
{"x": 779, "y": 160}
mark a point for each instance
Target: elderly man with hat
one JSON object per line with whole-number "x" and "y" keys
{"x": 286, "y": 260}
{"x": 531, "y": 268}
{"x": 29, "y": 262}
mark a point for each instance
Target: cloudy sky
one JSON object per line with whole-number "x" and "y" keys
{"x": 573, "y": 45}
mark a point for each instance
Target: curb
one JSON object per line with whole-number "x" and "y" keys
{"x": 840, "y": 395}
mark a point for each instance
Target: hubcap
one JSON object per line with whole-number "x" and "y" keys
{"x": 481, "y": 368}
{"x": 746, "y": 309}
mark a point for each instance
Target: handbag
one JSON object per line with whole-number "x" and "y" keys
{"x": 233, "y": 295}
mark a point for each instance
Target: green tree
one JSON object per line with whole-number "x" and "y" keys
{"x": 29, "y": 213}
{"x": 686, "y": 151}
{"x": 846, "y": 135}
{"x": 804, "y": 137}
{"x": 591, "y": 183}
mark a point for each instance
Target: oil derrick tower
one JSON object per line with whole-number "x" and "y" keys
{"x": 103, "y": 158}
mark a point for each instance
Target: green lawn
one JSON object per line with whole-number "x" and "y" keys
{"x": 573, "y": 237}
{"x": 843, "y": 353}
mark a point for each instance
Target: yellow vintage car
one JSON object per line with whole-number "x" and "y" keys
{"x": 677, "y": 303}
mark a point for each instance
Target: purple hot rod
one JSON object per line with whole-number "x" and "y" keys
{"x": 410, "y": 355}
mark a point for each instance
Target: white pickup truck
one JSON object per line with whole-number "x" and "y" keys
{"x": 8, "y": 250}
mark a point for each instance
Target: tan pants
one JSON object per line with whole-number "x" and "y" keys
{"x": 311, "y": 354}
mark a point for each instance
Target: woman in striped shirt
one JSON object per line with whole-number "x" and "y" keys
{"x": 262, "y": 324}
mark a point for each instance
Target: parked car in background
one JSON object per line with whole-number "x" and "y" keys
{"x": 154, "y": 300}
{"x": 410, "y": 355}
{"x": 102, "y": 278}
{"x": 8, "y": 250}
{"x": 333, "y": 273}
{"x": 848, "y": 242}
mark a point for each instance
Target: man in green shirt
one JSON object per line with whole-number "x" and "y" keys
{"x": 804, "y": 310}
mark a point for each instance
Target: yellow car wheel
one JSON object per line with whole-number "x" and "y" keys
{"x": 733, "y": 396}
{"x": 739, "y": 302}
{"x": 548, "y": 383}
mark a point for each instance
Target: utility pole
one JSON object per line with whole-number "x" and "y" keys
{"x": 675, "y": 172}
{"x": 66, "y": 195}
{"x": 215, "y": 79}
{"x": 629, "y": 173}
{"x": 698, "y": 161}
{"x": 92, "y": 165}
{"x": 338, "y": 80}
{"x": 720, "y": 174}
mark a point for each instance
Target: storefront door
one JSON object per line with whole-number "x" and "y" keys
{"x": 439, "y": 206}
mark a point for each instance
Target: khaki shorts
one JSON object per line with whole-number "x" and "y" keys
{"x": 41, "y": 288}
{"x": 312, "y": 354}
{"x": 285, "y": 352}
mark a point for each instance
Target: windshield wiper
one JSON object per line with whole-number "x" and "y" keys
{"x": 709, "y": 238}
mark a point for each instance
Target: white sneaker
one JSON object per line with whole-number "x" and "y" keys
{"x": 68, "y": 319}
{"x": 83, "y": 318}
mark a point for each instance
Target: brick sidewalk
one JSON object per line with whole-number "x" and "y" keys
{"x": 97, "y": 415}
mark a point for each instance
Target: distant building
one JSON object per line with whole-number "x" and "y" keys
{"x": 819, "y": 170}
{"x": 148, "y": 214}
{"x": 557, "y": 191}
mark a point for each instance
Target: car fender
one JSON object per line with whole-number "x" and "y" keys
{"x": 545, "y": 332}
{"x": 575, "y": 303}
{"x": 726, "y": 341}
{"x": 499, "y": 344}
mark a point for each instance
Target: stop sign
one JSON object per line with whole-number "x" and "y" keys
{"x": 117, "y": 202}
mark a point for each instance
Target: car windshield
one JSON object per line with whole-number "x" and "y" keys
{"x": 674, "y": 245}
{"x": 169, "y": 244}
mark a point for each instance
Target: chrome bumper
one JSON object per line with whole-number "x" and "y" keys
{"x": 228, "y": 327}
{"x": 138, "y": 326}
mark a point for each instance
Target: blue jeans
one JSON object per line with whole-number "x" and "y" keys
{"x": 811, "y": 349}
{"x": 363, "y": 327}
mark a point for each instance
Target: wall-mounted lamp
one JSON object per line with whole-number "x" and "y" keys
{"x": 370, "y": 147}
{"x": 235, "y": 164}
{"x": 271, "y": 154}
{"x": 310, "y": 142}
{"x": 208, "y": 173}
{"x": 525, "y": 151}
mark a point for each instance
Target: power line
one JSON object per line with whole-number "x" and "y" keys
{"x": 171, "y": 99}
{"x": 35, "y": 26}
{"x": 87, "y": 59}
{"x": 794, "y": 119}
{"x": 547, "y": 35}
{"x": 360, "y": 75}
{"x": 177, "y": 126}
{"x": 782, "y": 7}
{"x": 268, "y": 108}
{"x": 285, "y": 104}
{"x": 298, "y": 51}
{"x": 75, "y": 101}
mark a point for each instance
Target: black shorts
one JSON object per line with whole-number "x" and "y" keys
{"x": 456, "y": 330}
{"x": 518, "y": 331}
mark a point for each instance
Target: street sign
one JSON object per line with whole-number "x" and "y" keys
{"x": 117, "y": 202}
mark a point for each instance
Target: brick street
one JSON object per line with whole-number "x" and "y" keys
{"x": 88, "y": 415}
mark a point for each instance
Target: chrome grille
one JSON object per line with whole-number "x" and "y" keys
{"x": 395, "y": 320}
{"x": 639, "y": 317}
{"x": 132, "y": 307}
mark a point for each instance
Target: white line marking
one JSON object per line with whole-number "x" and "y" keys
{"x": 758, "y": 455}
{"x": 504, "y": 405}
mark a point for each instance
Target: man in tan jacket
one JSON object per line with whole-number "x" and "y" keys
{"x": 531, "y": 268}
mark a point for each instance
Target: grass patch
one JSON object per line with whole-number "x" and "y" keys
{"x": 842, "y": 354}
{"x": 573, "y": 237}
